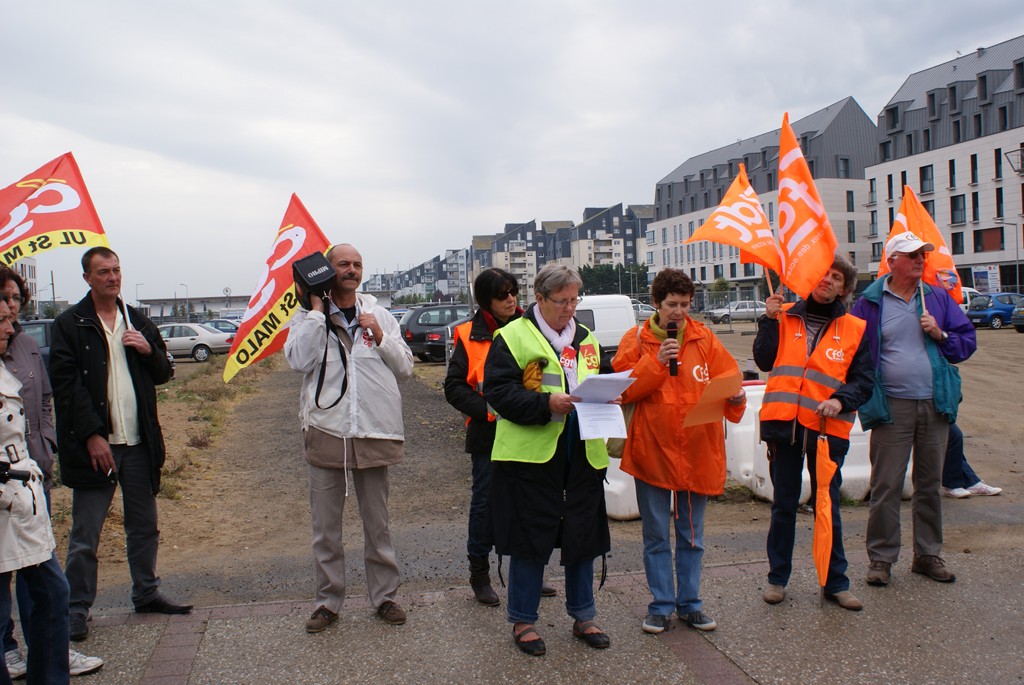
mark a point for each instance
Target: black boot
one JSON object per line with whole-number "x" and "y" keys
{"x": 480, "y": 581}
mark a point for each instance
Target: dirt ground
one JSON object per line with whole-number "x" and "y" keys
{"x": 234, "y": 516}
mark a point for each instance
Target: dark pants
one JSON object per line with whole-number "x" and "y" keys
{"x": 88, "y": 512}
{"x": 48, "y": 636}
{"x": 786, "y": 470}
{"x": 956, "y": 472}
{"x": 480, "y": 540}
{"x": 24, "y": 605}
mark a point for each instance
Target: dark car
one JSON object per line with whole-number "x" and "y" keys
{"x": 41, "y": 331}
{"x": 417, "y": 324}
{"x": 1017, "y": 319}
{"x": 993, "y": 309}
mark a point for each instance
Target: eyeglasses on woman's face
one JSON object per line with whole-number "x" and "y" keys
{"x": 569, "y": 302}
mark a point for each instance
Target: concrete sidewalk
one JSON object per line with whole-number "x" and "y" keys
{"x": 914, "y": 631}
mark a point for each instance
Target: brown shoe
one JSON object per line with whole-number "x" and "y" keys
{"x": 878, "y": 573}
{"x": 548, "y": 591}
{"x": 774, "y": 594}
{"x": 391, "y": 613}
{"x": 933, "y": 567}
{"x": 846, "y": 599}
{"x": 320, "y": 619}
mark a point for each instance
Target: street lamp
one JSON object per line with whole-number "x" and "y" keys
{"x": 1016, "y": 160}
{"x": 188, "y": 317}
{"x": 137, "y": 302}
{"x": 1016, "y": 248}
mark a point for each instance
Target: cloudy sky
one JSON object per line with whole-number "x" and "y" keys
{"x": 406, "y": 127}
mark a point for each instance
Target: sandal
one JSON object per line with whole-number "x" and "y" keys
{"x": 533, "y": 647}
{"x": 598, "y": 639}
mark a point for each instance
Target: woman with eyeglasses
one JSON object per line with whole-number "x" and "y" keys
{"x": 548, "y": 487}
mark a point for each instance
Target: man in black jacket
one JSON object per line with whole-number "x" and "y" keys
{"x": 104, "y": 369}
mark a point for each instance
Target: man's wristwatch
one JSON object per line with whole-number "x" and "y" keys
{"x": 944, "y": 337}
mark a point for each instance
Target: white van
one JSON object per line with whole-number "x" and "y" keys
{"x": 969, "y": 294}
{"x": 608, "y": 317}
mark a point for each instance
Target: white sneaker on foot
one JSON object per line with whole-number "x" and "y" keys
{"x": 958, "y": 493}
{"x": 16, "y": 665}
{"x": 981, "y": 488}
{"x": 81, "y": 664}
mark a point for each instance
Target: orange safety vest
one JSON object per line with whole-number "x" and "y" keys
{"x": 797, "y": 383}
{"x": 476, "y": 354}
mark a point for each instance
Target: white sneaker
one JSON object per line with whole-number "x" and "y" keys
{"x": 81, "y": 664}
{"x": 981, "y": 488}
{"x": 958, "y": 493}
{"x": 16, "y": 666}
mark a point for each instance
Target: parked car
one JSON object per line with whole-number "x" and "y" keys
{"x": 1017, "y": 317}
{"x": 969, "y": 294}
{"x": 399, "y": 313}
{"x": 195, "y": 340}
{"x": 41, "y": 331}
{"x": 223, "y": 325}
{"x": 993, "y": 309}
{"x": 642, "y": 311}
{"x": 742, "y": 310}
{"x": 416, "y": 323}
{"x": 608, "y": 317}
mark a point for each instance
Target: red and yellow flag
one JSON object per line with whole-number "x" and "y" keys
{"x": 47, "y": 209}
{"x": 806, "y": 239}
{"x": 264, "y": 325}
{"x": 939, "y": 269}
{"x": 739, "y": 221}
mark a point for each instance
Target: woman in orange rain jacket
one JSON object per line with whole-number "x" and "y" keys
{"x": 666, "y": 458}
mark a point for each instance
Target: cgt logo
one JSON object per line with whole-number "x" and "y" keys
{"x": 834, "y": 354}
{"x": 700, "y": 374}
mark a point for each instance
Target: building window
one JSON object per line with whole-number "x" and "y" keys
{"x": 983, "y": 88}
{"x": 849, "y": 201}
{"x": 910, "y": 144}
{"x": 732, "y": 270}
{"x": 888, "y": 183}
{"x": 952, "y": 173}
{"x": 853, "y": 257}
{"x": 885, "y": 151}
{"x": 933, "y": 109}
{"x": 892, "y": 118}
{"x": 957, "y": 213}
{"x": 903, "y": 182}
{"x": 999, "y": 203}
{"x": 876, "y": 252}
{"x": 978, "y": 133}
{"x": 1018, "y": 75}
{"x": 664, "y": 235}
{"x": 851, "y": 231}
{"x": 873, "y": 224}
{"x": 957, "y": 242}
{"x": 702, "y": 180}
{"x": 872, "y": 190}
{"x": 768, "y": 178}
{"x": 988, "y": 239}
{"x": 958, "y": 135}
{"x": 690, "y": 230}
{"x": 670, "y": 191}
{"x": 693, "y": 203}
{"x": 951, "y": 99}
{"x": 650, "y": 236}
{"x": 927, "y": 133}
{"x": 929, "y": 206}
{"x": 927, "y": 178}
{"x": 892, "y": 215}
{"x": 843, "y": 169}
{"x": 999, "y": 162}
{"x": 975, "y": 208}
{"x": 1003, "y": 117}
{"x": 703, "y": 273}
{"x": 771, "y": 212}
{"x": 748, "y": 270}
{"x": 974, "y": 169}
{"x": 719, "y": 271}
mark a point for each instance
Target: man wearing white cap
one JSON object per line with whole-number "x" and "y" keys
{"x": 915, "y": 332}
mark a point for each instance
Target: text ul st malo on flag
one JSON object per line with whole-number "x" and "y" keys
{"x": 47, "y": 209}
{"x": 939, "y": 269}
{"x": 739, "y": 221}
{"x": 264, "y": 325}
{"x": 805, "y": 235}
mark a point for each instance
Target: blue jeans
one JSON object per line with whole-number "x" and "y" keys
{"x": 480, "y": 540}
{"x": 786, "y": 470}
{"x": 525, "y": 577}
{"x": 956, "y": 472}
{"x": 48, "y": 636}
{"x": 656, "y": 513}
{"x": 24, "y": 605}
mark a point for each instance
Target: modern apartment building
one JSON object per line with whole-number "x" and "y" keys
{"x": 954, "y": 133}
{"x": 838, "y": 142}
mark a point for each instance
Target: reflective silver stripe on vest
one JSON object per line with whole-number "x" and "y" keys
{"x": 480, "y": 387}
{"x": 803, "y": 402}
{"x": 827, "y": 381}
{"x": 792, "y": 371}
{"x": 551, "y": 379}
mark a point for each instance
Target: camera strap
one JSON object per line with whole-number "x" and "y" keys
{"x": 323, "y": 365}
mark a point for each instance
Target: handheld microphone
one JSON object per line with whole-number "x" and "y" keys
{"x": 672, "y": 329}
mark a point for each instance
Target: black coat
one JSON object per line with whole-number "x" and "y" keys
{"x": 78, "y": 374}
{"x": 537, "y": 507}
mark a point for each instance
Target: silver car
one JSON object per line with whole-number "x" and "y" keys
{"x": 743, "y": 310}
{"x": 195, "y": 340}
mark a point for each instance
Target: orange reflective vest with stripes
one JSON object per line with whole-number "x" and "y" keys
{"x": 476, "y": 355}
{"x": 798, "y": 383}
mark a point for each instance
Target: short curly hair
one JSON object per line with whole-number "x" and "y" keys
{"x": 668, "y": 282}
{"x": 8, "y": 274}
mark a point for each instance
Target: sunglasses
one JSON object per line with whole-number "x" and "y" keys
{"x": 503, "y": 295}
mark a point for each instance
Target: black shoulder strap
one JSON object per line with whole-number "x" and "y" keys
{"x": 323, "y": 366}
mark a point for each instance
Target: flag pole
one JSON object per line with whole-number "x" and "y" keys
{"x": 920, "y": 287}
{"x": 768, "y": 279}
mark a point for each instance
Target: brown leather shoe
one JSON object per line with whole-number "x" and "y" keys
{"x": 933, "y": 567}
{"x": 846, "y": 599}
{"x": 878, "y": 573}
{"x": 320, "y": 619}
{"x": 774, "y": 594}
{"x": 391, "y": 613}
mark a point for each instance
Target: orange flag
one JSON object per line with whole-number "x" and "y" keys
{"x": 264, "y": 325}
{"x": 47, "y": 209}
{"x": 939, "y": 269}
{"x": 805, "y": 235}
{"x": 824, "y": 470}
{"x": 739, "y": 221}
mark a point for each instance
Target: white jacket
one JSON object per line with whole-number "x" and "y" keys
{"x": 26, "y": 538}
{"x": 372, "y": 406}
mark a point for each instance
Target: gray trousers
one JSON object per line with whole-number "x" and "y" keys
{"x": 89, "y": 507}
{"x": 916, "y": 425}
{"x": 327, "y": 504}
